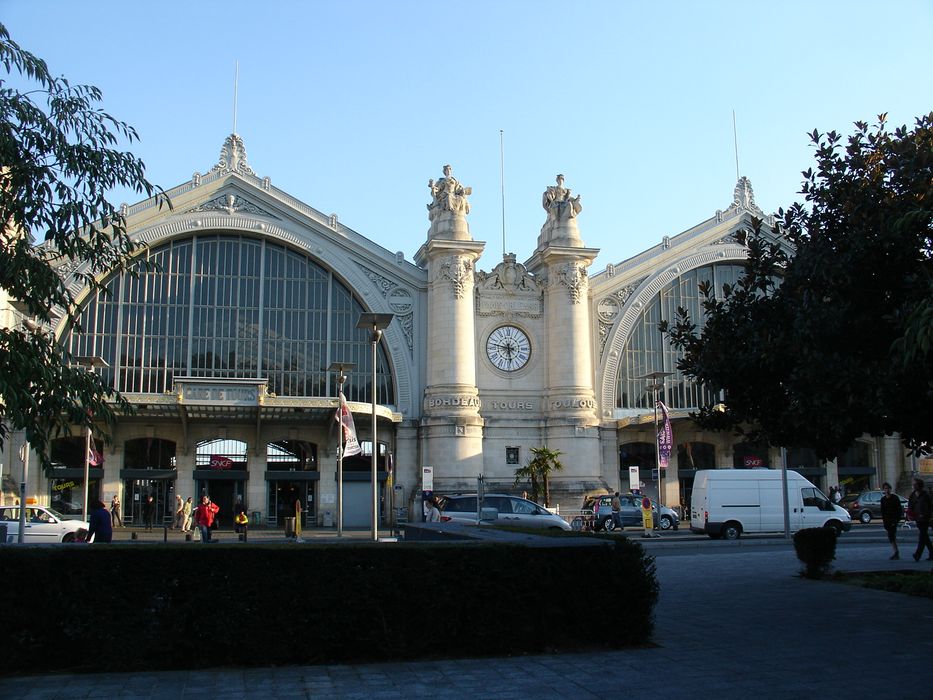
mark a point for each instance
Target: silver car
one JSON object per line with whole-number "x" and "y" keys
{"x": 43, "y": 525}
{"x": 502, "y": 509}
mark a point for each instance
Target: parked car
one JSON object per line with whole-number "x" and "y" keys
{"x": 43, "y": 525}
{"x": 867, "y": 505}
{"x": 509, "y": 510}
{"x": 631, "y": 512}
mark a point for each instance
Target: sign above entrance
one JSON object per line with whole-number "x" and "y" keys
{"x": 230, "y": 392}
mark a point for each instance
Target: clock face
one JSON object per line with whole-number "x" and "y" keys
{"x": 508, "y": 348}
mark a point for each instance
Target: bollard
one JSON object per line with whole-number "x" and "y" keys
{"x": 164, "y": 534}
{"x": 133, "y": 536}
{"x": 188, "y": 537}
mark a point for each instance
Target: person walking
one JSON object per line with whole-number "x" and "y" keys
{"x": 100, "y": 525}
{"x": 186, "y": 515}
{"x": 204, "y": 517}
{"x": 432, "y": 514}
{"x": 617, "y": 511}
{"x": 115, "y": 511}
{"x": 179, "y": 517}
{"x": 919, "y": 505}
{"x": 891, "y": 514}
{"x": 149, "y": 509}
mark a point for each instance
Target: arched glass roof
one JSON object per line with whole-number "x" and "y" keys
{"x": 231, "y": 306}
{"x": 647, "y": 350}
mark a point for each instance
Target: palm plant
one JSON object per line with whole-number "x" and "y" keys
{"x": 538, "y": 470}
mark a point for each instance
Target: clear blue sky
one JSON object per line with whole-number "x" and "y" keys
{"x": 352, "y": 106}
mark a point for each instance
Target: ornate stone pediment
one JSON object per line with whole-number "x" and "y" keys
{"x": 509, "y": 288}
{"x": 231, "y": 204}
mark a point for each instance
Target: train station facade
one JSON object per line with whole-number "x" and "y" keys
{"x": 226, "y": 347}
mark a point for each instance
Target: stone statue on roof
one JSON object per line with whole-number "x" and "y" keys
{"x": 448, "y": 194}
{"x": 559, "y": 203}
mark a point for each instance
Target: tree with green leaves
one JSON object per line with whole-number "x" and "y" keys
{"x": 59, "y": 159}
{"x": 828, "y": 335}
{"x": 538, "y": 471}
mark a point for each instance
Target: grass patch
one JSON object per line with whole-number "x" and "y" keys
{"x": 916, "y": 583}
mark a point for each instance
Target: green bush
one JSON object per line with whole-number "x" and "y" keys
{"x": 816, "y": 548}
{"x": 180, "y": 606}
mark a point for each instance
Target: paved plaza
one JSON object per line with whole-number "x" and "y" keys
{"x": 733, "y": 621}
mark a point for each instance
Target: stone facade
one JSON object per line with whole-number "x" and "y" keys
{"x": 489, "y": 359}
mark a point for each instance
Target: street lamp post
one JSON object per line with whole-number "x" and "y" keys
{"x": 23, "y": 455}
{"x": 375, "y": 323}
{"x": 26, "y": 320}
{"x": 340, "y": 367}
{"x": 91, "y": 361}
{"x": 656, "y": 385}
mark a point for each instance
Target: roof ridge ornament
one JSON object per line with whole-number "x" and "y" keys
{"x": 743, "y": 197}
{"x": 233, "y": 157}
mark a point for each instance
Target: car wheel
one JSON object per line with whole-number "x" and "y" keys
{"x": 576, "y": 524}
{"x": 666, "y": 522}
{"x": 731, "y": 531}
{"x": 609, "y": 525}
{"x": 69, "y": 537}
{"x": 865, "y": 517}
{"x": 835, "y": 526}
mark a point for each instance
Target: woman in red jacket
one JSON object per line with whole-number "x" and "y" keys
{"x": 204, "y": 517}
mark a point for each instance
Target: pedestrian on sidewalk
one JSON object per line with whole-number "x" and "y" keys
{"x": 149, "y": 510}
{"x": 204, "y": 517}
{"x": 100, "y": 526}
{"x": 617, "y": 511}
{"x": 891, "y": 514}
{"x": 919, "y": 505}
{"x": 186, "y": 515}
{"x": 115, "y": 516}
{"x": 179, "y": 517}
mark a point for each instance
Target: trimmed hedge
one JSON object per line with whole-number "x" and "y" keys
{"x": 124, "y": 608}
{"x": 816, "y": 548}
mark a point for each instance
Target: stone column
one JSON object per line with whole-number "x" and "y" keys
{"x": 452, "y": 429}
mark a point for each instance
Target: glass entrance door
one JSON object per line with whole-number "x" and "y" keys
{"x": 282, "y": 497}
{"x": 136, "y": 491}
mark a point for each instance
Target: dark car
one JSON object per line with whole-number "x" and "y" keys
{"x": 867, "y": 505}
{"x": 601, "y": 507}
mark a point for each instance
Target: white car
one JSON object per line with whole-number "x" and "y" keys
{"x": 501, "y": 508}
{"x": 43, "y": 525}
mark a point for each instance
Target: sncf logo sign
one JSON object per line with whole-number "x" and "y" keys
{"x": 221, "y": 462}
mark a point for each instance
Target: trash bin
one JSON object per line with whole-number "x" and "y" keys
{"x": 289, "y": 527}
{"x": 328, "y": 519}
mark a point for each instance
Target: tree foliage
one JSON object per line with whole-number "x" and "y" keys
{"x": 59, "y": 158}
{"x": 538, "y": 471}
{"x": 829, "y": 336}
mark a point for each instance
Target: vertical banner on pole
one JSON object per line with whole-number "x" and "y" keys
{"x": 427, "y": 486}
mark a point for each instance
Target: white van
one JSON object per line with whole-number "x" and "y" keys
{"x": 727, "y": 502}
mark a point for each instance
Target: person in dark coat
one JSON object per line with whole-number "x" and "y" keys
{"x": 891, "y": 514}
{"x": 100, "y": 526}
{"x": 919, "y": 506}
{"x": 149, "y": 509}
